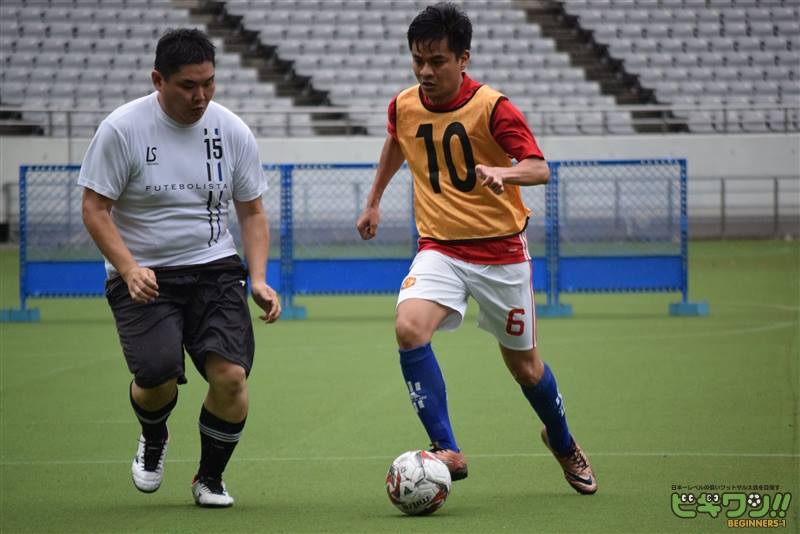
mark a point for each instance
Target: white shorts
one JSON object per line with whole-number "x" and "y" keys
{"x": 503, "y": 292}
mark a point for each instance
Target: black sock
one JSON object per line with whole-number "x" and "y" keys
{"x": 154, "y": 424}
{"x": 218, "y": 438}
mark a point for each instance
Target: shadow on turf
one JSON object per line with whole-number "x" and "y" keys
{"x": 491, "y": 504}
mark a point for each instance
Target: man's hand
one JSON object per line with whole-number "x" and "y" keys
{"x": 490, "y": 177}
{"x": 267, "y": 300}
{"x": 367, "y": 224}
{"x": 142, "y": 285}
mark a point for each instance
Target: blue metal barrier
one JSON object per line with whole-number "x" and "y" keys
{"x": 609, "y": 226}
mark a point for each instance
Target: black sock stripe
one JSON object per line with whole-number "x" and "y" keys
{"x": 220, "y": 436}
{"x": 155, "y": 421}
{"x": 213, "y": 422}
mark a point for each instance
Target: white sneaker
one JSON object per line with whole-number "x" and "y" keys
{"x": 147, "y": 468}
{"x": 210, "y": 493}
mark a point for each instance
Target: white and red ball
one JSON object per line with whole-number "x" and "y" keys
{"x": 418, "y": 483}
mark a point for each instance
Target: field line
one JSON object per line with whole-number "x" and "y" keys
{"x": 388, "y": 457}
{"x": 666, "y": 336}
{"x": 772, "y": 306}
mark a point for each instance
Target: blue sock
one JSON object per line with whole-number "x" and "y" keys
{"x": 546, "y": 401}
{"x": 428, "y": 395}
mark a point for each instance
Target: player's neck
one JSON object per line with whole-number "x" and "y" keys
{"x": 450, "y": 98}
{"x": 168, "y": 114}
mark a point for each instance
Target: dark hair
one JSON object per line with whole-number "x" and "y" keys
{"x": 443, "y": 20}
{"x": 182, "y": 46}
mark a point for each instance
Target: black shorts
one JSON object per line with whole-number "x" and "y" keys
{"x": 202, "y": 308}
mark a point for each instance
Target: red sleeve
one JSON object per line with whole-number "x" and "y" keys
{"x": 510, "y": 130}
{"x": 391, "y": 125}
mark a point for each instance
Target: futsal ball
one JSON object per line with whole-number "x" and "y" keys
{"x": 418, "y": 483}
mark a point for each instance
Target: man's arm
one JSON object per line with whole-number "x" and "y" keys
{"x": 392, "y": 159}
{"x": 255, "y": 238}
{"x": 530, "y": 171}
{"x": 511, "y": 131}
{"x": 96, "y": 211}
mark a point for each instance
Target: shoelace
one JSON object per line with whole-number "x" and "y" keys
{"x": 577, "y": 459}
{"x": 450, "y": 462}
{"x": 434, "y": 449}
{"x": 153, "y": 455}
{"x": 213, "y": 485}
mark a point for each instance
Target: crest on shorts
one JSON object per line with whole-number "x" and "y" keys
{"x": 408, "y": 282}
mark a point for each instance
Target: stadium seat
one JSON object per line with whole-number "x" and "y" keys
{"x": 737, "y": 101}
{"x": 683, "y": 17}
{"x": 727, "y": 49}
{"x": 779, "y": 121}
{"x": 70, "y": 60}
{"x": 763, "y": 27}
{"x": 565, "y": 123}
{"x": 48, "y": 60}
{"x": 787, "y": 57}
{"x": 710, "y": 87}
{"x": 728, "y": 46}
{"x": 619, "y": 122}
{"x": 592, "y": 123}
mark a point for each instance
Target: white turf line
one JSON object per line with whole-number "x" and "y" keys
{"x": 782, "y": 307}
{"x": 388, "y": 458}
{"x": 665, "y": 337}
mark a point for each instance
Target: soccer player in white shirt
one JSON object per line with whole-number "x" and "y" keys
{"x": 158, "y": 177}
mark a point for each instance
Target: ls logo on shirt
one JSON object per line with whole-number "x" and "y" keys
{"x": 151, "y": 155}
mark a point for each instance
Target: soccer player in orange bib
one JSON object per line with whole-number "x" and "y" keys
{"x": 458, "y": 137}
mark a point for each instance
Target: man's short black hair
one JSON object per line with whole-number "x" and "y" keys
{"x": 440, "y": 21}
{"x": 182, "y": 46}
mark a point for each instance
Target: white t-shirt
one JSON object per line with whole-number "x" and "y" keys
{"x": 172, "y": 183}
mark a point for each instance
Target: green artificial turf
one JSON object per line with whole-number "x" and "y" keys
{"x": 656, "y": 401}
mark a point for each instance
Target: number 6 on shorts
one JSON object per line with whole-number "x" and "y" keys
{"x": 515, "y": 327}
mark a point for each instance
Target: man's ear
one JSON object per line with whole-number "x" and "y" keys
{"x": 157, "y": 78}
{"x": 464, "y": 59}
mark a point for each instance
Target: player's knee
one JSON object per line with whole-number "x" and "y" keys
{"x": 410, "y": 333}
{"x": 524, "y": 376}
{"x": 228, "y": 379}
{"x": 158, "y": 377}
{"x": 525, "y": 366}
{"x": 525, "y": 372}
{"x": 152, "y": 397}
